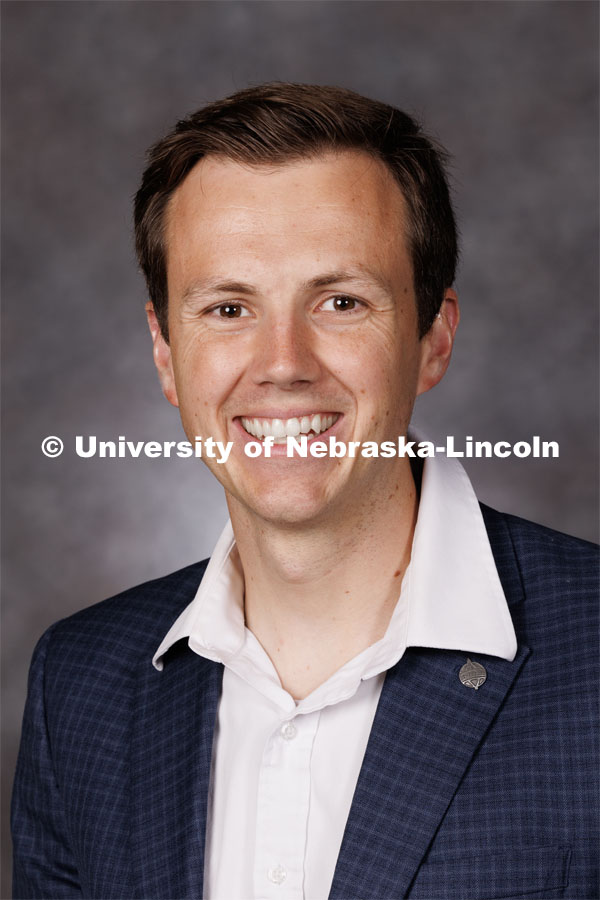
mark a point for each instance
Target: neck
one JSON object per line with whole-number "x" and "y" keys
{"x": 316, "y": 595}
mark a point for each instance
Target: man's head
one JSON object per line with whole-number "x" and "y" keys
{"x": 292, "y": 298}
{"x": 278, "y": 123}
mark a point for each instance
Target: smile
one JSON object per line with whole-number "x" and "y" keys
{"x": 281, "y": 429}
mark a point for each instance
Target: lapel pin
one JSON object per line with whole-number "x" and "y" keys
{"x": 472, "y": 674}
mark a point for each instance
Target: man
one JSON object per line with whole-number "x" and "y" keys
{"x": 375, "y": 688}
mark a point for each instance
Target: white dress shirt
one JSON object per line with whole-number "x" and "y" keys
{"x": 284, "y": 772}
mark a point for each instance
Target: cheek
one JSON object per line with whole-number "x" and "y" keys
{"x": 385, "y": 408}
{"x": 205, "y": 374}
{"x": 386, "y": 375}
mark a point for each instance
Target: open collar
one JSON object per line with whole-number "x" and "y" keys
{"x": 451, "y": 595}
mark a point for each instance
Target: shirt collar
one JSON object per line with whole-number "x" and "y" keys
{"x": 215, "y": 618}
{"x": 456, "y": 598}
{"x": 451, "y": 597}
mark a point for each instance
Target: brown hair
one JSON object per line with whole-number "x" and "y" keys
{"x": 277, "y": 122}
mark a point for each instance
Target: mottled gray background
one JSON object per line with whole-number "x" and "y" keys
{"x": 510, "y": 87}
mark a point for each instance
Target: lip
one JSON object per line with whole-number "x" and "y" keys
{"x": 297, "y": 413}
{"x": 280, "y": 450}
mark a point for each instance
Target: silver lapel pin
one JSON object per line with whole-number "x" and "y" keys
{"x": 472, "y": 674}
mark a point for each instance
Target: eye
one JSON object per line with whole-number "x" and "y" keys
{"x": 341, "y": 303}
{"x": 230, "y": 311}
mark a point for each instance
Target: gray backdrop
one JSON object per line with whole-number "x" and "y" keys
{"x": 510, "y": 87}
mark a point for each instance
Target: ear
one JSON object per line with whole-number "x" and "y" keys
{"x": 436, "y": 345}
{"x": 162, "y": 357}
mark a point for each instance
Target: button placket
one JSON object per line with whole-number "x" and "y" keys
{"x": 288, "y": 731}
{"x": 283, "y": 801}
{"x": 277, "y": 874}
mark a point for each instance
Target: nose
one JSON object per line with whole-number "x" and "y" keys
{"x": 284, "y": 354}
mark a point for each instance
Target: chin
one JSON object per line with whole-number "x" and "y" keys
{"x": 288, "y": 507}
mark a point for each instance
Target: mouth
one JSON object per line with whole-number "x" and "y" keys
{"x": 312, "y": 425}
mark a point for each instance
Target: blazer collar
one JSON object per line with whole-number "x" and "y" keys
{"x": 427, "y": 729}
{"x": 173, "y": 729}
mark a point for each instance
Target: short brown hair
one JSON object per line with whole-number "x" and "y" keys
{"x": 278, "y": 122}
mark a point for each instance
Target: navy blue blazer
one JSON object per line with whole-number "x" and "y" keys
{"x": 462, "y": 793}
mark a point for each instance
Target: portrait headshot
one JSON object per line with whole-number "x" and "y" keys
{"x": 300, "y": 520}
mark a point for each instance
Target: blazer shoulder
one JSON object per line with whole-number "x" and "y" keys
{"x": 555, "y": 574}
{"x": 532, "y": 541}
{"x": 128, "y": 625}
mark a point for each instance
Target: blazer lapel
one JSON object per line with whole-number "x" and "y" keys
{"x": 426, "y": 730}
{"x": 171, "y": 758}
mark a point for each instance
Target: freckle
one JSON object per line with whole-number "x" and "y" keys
{"x": 396, "y": 573}
{"x": 362, "y": 390}
{"x": 387, "y": 412}
{"x": 346, "y": 592}
{"x": 307, "y": 668}
{"x": 397, "y": 486}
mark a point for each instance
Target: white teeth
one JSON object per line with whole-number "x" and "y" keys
{"x": 280, "y": 429}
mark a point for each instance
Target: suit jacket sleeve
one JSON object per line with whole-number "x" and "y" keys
{"x": 44, "y": 866}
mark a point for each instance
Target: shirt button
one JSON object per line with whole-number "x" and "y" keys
{"x": 289, "y": 731}
{"x": 277, "y": 874}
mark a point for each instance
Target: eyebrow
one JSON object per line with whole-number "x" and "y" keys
{"x": 211, "y": 286}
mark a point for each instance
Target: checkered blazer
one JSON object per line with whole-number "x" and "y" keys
{"x": 462, "y": 793}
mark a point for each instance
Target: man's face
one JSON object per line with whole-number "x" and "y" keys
{"x": 291, "y": 306}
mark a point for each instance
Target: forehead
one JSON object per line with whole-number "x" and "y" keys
{"x": 345, "y": 204}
